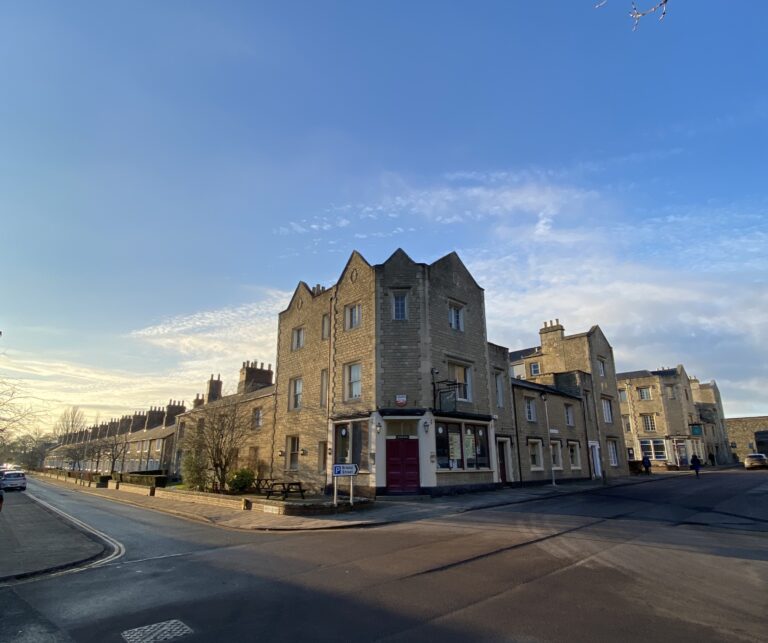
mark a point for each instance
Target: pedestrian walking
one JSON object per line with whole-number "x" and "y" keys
{"x": 712, "y": 458}
{"x": 696, "y": 464}
{"x": 2, "y": 494}
{"x": 647, "y": 465}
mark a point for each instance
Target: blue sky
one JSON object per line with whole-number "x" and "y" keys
{"x": 169, "y": 172}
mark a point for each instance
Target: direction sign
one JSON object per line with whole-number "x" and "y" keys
{"x": 345, "y": 470}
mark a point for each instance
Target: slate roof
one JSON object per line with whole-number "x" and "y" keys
{"x": 633, "y": 375}
{"x": 514, "y": 356}
{"x": 542, "y": 388}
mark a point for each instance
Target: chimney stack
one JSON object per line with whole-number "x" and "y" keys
{"x": 173, "y": 409}
{"x": 154, "y": 417}
{"x": 214, "y": 389}
{"x": 254, "y": 376}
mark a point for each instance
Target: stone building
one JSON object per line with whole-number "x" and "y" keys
{"x": 581, "y": 365}
{"x": 747, "y": 435}
{"x": 251, "y": 410}
{"x": 669, "y": 416}
{"x": 709, "y": 407}
{"x": 551, "y": 431}
{"x": 387, "y": 369}
{"x": 139, "y": 442}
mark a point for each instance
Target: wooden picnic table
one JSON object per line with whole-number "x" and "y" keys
{"x": 262, "y": 484}
{"x": 284, "y": 488}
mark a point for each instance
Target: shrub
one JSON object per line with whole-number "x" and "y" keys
{"x": 241, "y": 480}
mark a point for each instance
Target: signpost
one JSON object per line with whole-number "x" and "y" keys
{"x": 342, "y": 471}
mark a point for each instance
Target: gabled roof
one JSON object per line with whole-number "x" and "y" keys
{"x": 400, "y": 255}
{"x": 453, "y": 259}
{"x": 301, "y": 287}
{"x": 355, "y": 254}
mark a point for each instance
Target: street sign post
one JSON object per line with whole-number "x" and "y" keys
{"x": 344, "y": 471}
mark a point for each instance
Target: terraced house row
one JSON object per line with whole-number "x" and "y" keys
{"x": 390, "y": 368}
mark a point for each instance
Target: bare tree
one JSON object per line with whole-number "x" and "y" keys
{"x": 30, "y": 447}
{"x": 115, "y": 448}
{"x": 637, "y": 14}
{"x": 220, "y": 432}
{"x": 73, "y": 455}
{"x": 15, "y": 411}
{"x": 70, "y": 421}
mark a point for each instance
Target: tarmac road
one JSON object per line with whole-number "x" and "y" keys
{"x": 680, "y": 559}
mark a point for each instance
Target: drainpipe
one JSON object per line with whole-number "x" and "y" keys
{"x": 586, "y": 433}
{"x": 549, "y": 438}
{"x": 603, "y": 474}
{"x": 517, "y": 436}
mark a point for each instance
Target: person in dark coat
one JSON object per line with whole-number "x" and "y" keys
{"x": 2, "y": 494}
{"x": 696, "y": 464}
{"x": 647, "y": 465}
{"x": 712, "y": 458}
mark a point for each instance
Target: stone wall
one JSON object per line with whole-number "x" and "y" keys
{"x": 741, "y": 432}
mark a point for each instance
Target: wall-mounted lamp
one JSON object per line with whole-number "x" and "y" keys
{"x": 281, "y": 453}
{"x": 378, "y": 427}
{"x": 304, "y": 452}
{"x": 425, "y": 424}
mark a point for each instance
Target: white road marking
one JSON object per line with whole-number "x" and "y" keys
{"x": 164, "y": 631}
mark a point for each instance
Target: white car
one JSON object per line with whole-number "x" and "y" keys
{"x": 13, "y": 480}
{"x": 755, "y": 461}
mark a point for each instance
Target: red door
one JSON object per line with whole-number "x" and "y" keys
{"x": 402, "y": 466}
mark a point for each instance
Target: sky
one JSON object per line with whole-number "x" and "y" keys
{"x": 170, "y": 171}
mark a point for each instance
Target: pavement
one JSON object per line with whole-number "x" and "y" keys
{"x": 42, "y": 541}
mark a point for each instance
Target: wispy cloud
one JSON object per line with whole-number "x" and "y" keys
{"x": 193, "y": 346}
{"x": 653, "y": 316}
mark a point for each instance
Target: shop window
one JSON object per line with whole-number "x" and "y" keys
{"x": 351, "y": 444}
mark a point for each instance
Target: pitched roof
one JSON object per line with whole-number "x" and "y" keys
{"x": 633, "y": 375}
{"x": 514, "y": 356}
{"x": 541, "y": 388}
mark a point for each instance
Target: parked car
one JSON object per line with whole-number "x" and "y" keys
{"x": 13, "y": 480}
{"x": 755, "y": 461}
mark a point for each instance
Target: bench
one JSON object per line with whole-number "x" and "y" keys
{"x": 284, "y": 488}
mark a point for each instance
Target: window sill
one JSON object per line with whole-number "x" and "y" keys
{"x": 575, "y": 468}
{"x": 537, "y": 468}
{"x": 480, "y": 470}
{"x": 557, "y": 468}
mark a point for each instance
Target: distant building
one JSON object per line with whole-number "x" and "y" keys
{"x": 138, "y": 442}
{"x": 582, "y": 366}
{"x": 669, "y": 416}
{"x": 748, "y": 435}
